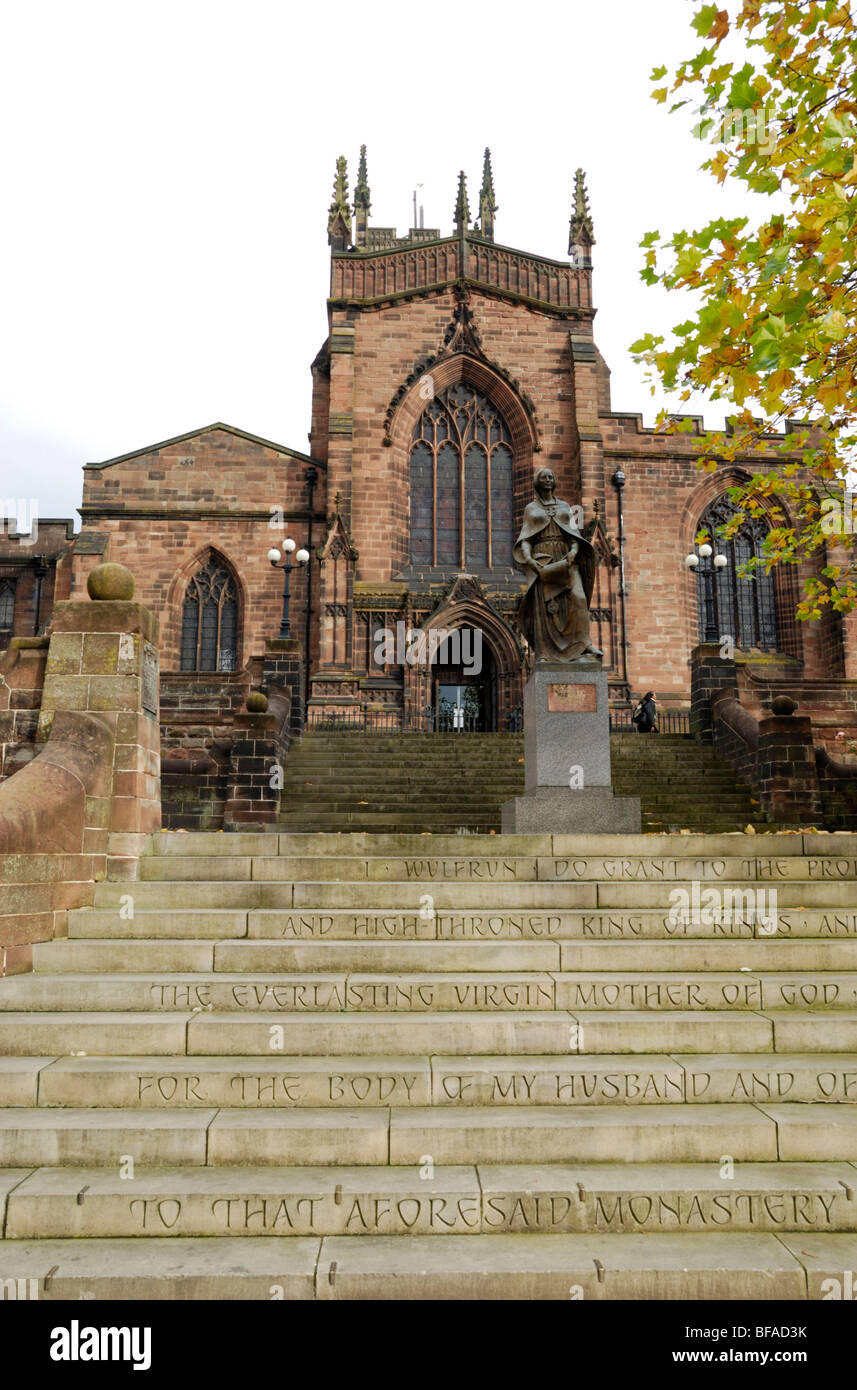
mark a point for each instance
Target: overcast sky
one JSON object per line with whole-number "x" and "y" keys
{"x": 167, "y": 170}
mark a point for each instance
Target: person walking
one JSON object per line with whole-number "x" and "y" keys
{"x": 645, "y": 714}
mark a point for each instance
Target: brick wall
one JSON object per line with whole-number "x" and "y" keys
{"x": 162, "y": 510}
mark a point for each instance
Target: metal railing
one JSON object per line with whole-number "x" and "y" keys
{"x": 429, "y": 720}
{"x": 670, "y": 721}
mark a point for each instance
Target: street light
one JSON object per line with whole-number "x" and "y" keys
{"x": 301, "y": 558}
{"x": 618, "y": 480}
{"x": 708, "y": 596}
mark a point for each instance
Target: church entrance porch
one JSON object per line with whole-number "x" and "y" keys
{"x": 464, "y": 685}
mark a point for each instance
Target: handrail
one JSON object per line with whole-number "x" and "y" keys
{"x": 832, "y": 767}
{"x": 732, "y": 713}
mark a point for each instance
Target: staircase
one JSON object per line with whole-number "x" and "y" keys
{"x": 394, "y": 1067}
{"x": 682, "y": 784}
{"x": 410, "y": 782}
{"x": 446, "y": 783}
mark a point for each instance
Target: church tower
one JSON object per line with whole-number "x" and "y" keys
{"x": 453, "y": 368}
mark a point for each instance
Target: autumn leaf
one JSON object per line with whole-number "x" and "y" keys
{"x": 771, "y": 328}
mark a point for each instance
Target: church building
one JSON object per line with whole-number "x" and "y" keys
{"x": 454, "y": 368}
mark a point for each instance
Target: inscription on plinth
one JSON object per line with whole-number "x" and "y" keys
{"x": 572, "y": 699}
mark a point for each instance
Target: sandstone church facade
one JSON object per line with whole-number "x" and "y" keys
{"x": 453, "y": 369}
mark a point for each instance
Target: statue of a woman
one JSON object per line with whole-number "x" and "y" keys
{"x": 560, "y": 566}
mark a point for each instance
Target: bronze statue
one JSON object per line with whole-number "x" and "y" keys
{"x": 560, "y": 567}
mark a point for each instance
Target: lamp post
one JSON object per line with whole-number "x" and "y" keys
{"x": 310, "y": 478}
{"x": 709, "y": 597}
{"x": 286, "y": 566}
{"x": 618, "y": 481}
{"x": 41, "y": 571}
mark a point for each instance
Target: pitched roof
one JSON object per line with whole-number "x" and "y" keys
{"x": 206, "y": 429}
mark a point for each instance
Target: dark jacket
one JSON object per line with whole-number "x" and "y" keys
{"x": 645, "y": 716}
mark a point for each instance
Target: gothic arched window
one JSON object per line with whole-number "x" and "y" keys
{"x": 461, "y": 483}
{"x": 7, "y": 602}
{"x": 744, "y": 609}
{"x": 210, "y": 620}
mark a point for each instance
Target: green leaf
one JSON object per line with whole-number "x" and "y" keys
{"x": 704, "y": 20}
{"x": 742, "y": 94}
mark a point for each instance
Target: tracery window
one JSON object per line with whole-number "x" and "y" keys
{"x": 210, "y": 620}
{"x": 7, "y": 602}
{"x": 461, "y": 483}
{"x": 745, "y": 609}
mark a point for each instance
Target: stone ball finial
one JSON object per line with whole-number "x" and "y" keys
{"x": 256, "y": 702}
{"x": 783, "y": 704}
{"x": 110, "y": 581}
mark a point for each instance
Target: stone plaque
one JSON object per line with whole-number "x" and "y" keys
{"x": 149, "y": 683}
{"x": 572, "y": 699}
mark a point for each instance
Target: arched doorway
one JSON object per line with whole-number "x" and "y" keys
{"x": 464, "y": 684}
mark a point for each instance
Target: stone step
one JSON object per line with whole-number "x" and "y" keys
{"x": 575, "y": 991}
{"x": 115, "y": 955}
{"x": 365, "y": 1081}
{"x": 41, "y": 1137}
{"x": 749, "y": 1267}
{"x": 118, "y": 955}
{"x": 140, "y": 1269}
{"x": 745, "y": 990}
{"x": 604, "y": 1134}
{"x": 416, "y": 821}
{"x": 497, "y": 1200}
{"x": 410, "y": 1136}
{"x": 19, "y": 1084}
{"x": 137, "y": 993}
{"x": 602, "y": 927}
{"x": 246, "y": 1033}
{"x": 493, "y": 897}
{"x": 191, "y": 1082}
{"x": 517, "y": 1267}
{"x": 433, "y": 798}
{"x": 94, "y": 924}
{"x": 812, "y": 844}
{"x": 465, "y": 1135}
{"x": 768, "y": 953}
{"x": 497, "y": 1033}
{"x": 763, "y": 869}
{"x": 299, "y": 844}
{"x": 81, "y": 1034}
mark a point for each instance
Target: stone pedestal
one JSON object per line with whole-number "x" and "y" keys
{"x": 567, "y": 757}
{"x": 103, "y": 660}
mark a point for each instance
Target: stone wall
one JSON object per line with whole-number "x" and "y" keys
{"x": 83, "y": 807}
{"x": 37, "y": 565}
{"x": 161, "y": 510}
{"x": 775, "y": 749}
{"x": 198, "y": 712}
{"x": 218, "y": 756}
{"x": 22, "y": 673}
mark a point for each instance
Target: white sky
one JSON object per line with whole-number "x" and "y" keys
{"x": 167, "y": 170}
